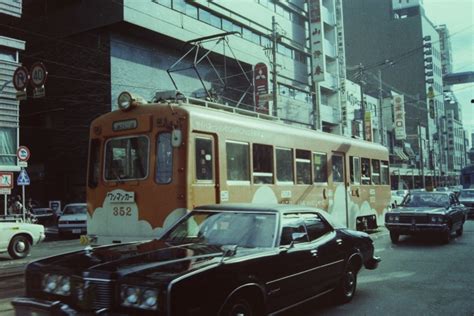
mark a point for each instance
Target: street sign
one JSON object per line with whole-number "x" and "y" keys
{"x": 23, "y": 153}
{"x": 23, "y": 178}
{"x": 20, "y": 78}
{"x": 38, "y": 75}
{"x": 4, "y": 191}
{"x": 6, "y": 180}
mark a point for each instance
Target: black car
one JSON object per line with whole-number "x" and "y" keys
{"x": 466, "y": 197}
{"x": 426, "y": 212}
{"x": 218, "y": 260}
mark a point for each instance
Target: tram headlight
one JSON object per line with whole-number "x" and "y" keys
{"x": 139, "y": 297}
{"x": 126, "y": 101}
{"x": 56, "y": 284}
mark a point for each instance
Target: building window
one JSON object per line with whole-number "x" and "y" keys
{"x": 7, "y": 54}
{"x": 8, "y": 146}
{"x": 166, "y": 3}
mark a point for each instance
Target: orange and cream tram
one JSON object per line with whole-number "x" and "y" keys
{"x": 151, "y": 163}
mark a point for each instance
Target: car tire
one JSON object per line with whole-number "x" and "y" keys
{"x": 346, "y": 288}
{"x": 19, "y": 247}
{"x": 460, "y": 230}
{"x": 394, "y": 237}
{"x": 239, "y": 305}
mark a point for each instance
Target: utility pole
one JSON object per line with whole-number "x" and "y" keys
{"x": 382, "y": 134}
{"x": 275, "y": 37}
{"x": 422, "y": 162}
{"x": 362, "y": 104}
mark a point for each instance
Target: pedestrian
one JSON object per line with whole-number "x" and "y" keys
{"x": 17, "y": 206}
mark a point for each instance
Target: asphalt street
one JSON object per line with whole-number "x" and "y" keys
{"x": 418, "y": 276}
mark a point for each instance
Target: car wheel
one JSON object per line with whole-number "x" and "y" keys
{"x": 239, "y": 306}
{"x": 19, "y": 247}
{"x": 394, "y": 237}
{"x": 345, "y": 291}
{"x": 460, "y": 230}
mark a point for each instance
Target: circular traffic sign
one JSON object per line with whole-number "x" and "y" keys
{"x": 38, "y": 75}
{"x": 20, "y": 78}
{"x": 23, "y": 153}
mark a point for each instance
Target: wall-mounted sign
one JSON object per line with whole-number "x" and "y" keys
{"x": 6, "y": 180}
{"x": 399, "y": 117}
{"x": 317, "y": 39}
{"x": 261, "y": 88}
{"x": 20, "y": 81}
{"x": 368, "y": 126}
{"x": 38, "y": 75}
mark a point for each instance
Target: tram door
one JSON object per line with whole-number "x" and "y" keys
{"x": 339, "y": 187}
{"x": 204, "y": 187}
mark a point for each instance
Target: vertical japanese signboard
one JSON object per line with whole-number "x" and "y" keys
{"x": 317, "y": 39}
{"x": 368, "y": 126}
{"x": 399, "y": 117}
{"x": 261, "y": 88}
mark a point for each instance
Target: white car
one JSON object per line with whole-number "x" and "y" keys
{"x": 17, "y": 237}
{"x": 397, "y": 197}
{"x": 73, "y": 219}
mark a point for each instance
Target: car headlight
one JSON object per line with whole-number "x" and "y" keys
{"x": 139, "y": 297}
{"x": 437, "y": 219}
{"x": 56, "y": 284}
{"x": 393, "y": 218}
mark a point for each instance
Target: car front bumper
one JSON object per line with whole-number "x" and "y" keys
{"x": 26, "y": 306}
{"x": 408, "y": 229}
{"x": 72, "y": 230}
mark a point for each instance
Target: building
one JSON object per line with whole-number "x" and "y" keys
{"x": 10, "y": 48}
{"x": 131, "y": 45}
{"x": 407, "y": 62}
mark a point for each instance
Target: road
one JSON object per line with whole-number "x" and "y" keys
{"x": 418, "y": 276}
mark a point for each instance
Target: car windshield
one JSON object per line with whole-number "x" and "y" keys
{"x": 426, "y": 200}
{"x": 244, "y": 229}
{"x": 75, "y": 209}
{"x": 467, "y": 194}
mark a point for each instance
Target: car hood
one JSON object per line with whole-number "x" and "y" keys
{"x": 141, "y": 258}
{"x": 420, "y": 210}
{"x": 467, "y": 200}
{"x": 73, "y": 217}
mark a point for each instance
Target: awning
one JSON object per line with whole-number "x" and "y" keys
{"x": 399, "y": 152}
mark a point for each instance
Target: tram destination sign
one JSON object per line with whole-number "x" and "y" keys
{"x": 124, "y": 125}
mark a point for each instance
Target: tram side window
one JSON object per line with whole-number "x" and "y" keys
{"x": 384, "y": 173}
{"x": 126, "y": 158}
{"x": 375, "y": 171}
{"x": 284, "y": 164}
{"x": 262, "y": 164}
{"x": 203, "y": 147}
{"x": 94, "y": 163}
{"x": 355, "y": 169}
{"x": 365, "y": 179}
{"x": 320, "y": 169}
{"x": 237, "y": 161}
{"x": 303, "y": 166}
{"x": 337, "y": 168}
{"x": 164, "y": 159}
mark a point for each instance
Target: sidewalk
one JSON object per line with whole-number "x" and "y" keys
{"x": 6, "y": 308}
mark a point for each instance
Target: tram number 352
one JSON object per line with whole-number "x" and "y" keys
{"x": 122, "y": 211}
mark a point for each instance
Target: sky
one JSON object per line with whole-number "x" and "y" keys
{"x": 458, "y": 15}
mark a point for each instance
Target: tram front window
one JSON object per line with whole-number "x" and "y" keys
{"x": 126, "y": 158}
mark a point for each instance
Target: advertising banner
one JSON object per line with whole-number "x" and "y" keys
{"x": 317, "y": 39}
{"x": 399, "y": 117}
{"x": 261, "y": 88}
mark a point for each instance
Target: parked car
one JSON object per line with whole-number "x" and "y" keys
{"x": 44, "y": 215}
{"x": 73, "y": 219}
{"x": 397, "y": 197}
{"x": 426, "y": 212}
{"x": 17, "y": 237}
{"x": 230, "y": 259}
{"x": 466, "y": 197}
